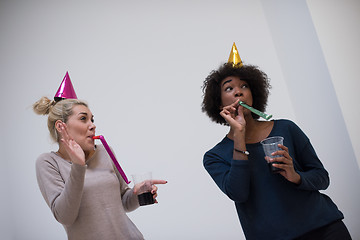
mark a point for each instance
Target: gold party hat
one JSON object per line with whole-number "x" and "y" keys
{"x": 234, "y": 57}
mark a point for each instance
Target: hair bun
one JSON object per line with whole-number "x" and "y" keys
{"x": 43, "y": 106}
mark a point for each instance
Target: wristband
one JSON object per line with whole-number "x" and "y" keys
{"x": 243, "y": 152}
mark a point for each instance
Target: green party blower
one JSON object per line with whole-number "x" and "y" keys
{"x": 257, "y": 112}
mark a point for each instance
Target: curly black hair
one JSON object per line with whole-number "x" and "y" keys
{"x": 257, "y": 80}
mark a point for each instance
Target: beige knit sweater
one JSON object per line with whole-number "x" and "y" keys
{"x": 90, "y": 201}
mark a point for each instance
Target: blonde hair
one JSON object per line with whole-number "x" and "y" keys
{"x": 57, "y": 110}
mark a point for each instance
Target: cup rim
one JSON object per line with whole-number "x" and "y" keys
{"x": 140, "y": 177}
{"x": 262, "y": 141}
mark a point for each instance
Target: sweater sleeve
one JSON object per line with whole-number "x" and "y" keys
{"x": 314, "y": 176}
{"x": 232, "y": 176}
{"x": 63, "y": 196}
{"x": 129, "y": 200}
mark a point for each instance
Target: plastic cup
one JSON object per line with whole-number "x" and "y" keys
{"x": 144, "y": 194}
{"x": 270, "y": 145}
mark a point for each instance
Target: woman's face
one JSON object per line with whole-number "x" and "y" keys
{"x": 81, "y": 127}
{"x": 234, "y": 89}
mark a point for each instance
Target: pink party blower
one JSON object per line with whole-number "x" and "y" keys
{"x": 102, "y": 139}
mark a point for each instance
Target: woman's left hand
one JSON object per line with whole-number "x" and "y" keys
{"x": 286, "y": 164}
{"x": 145, "y": 186}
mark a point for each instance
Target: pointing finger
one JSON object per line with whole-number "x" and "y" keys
{"x": 159, "y": 181}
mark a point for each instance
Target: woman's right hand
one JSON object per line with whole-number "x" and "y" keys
{"x": 234, "y": 116}
{"x": 72, "y": 148}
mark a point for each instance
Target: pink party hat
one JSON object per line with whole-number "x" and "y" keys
{"x": 66, "y": 89}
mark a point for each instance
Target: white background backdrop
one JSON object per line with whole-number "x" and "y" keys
{"x": 140, "y": 65}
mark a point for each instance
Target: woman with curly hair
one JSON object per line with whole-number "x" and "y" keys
{"x": 282, "y": 205}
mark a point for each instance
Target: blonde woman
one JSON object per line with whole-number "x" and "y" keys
{"x": 79, "y": 182}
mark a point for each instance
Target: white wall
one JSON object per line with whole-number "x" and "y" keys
{"x": 140, "y": 65}
{"x": 315, "y": 101}
{"x": 339, "y": 38}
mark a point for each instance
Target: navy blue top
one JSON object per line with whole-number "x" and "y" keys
{"x": 268, "y": 205}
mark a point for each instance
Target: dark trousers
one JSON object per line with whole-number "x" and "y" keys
{"x": 333, "y": 231}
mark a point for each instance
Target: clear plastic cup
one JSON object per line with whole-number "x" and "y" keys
{"x": 144, "y": 194}
{"x": 270, "y": 145}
